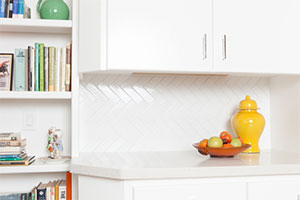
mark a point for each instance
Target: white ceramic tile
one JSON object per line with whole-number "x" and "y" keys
{"x": 162, "y": 112}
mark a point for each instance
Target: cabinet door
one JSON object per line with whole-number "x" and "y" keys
{"x": 289, "y": 35}
{"x": 275, "y": 190}
{"x": 159, "y": 35}
{"x": 211, "y": 191}
{"x": 246, "y": 37}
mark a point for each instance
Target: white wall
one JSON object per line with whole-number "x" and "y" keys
{"x": 46, "y": 113}
{"x": 163, "y": 112}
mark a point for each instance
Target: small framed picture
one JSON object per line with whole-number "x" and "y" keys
{"x": 6, "y": 71}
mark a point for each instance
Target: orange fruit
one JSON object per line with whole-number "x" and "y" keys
{"x": 225, "y": 137}
{"x": 203, "y": 143}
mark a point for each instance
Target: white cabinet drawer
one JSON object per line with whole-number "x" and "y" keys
{"x": 274, "y": 190}
{"x": 211, "y": 191}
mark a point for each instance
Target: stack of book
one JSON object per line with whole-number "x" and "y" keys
{"x": 12, "y": 150}
{"x": 53, "y": 190}
{"x": 14, "y": 9}
{"x": 41, "y": 68}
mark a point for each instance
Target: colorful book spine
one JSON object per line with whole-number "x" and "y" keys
{"x": 10, "y": 8}
{"x": 51, "y": 69}
{"x": 57, "y": 69}
{"x": 26, "y": 70}
{"x": 29, "y": 68}
{"x": 41, "y": 194}
{"x": 21, "y": 9}
{"x": 10, "y": 159}
{"x": 32, "y": 63}
{"x": 15, "y": 8}
{"x": 69, "y": 185}
{"x": 6, "y": 10}
{"x": 62, "y": 191}
{"x": 63, "y": 70}
{"x": 68, "y": 68}
{"x": 41, "y": 56}
{"x": 20, "y": 69}
{"x": 46, "y": 66}
{"x": 2, "y": 8}
{"x": 36, "y": 68}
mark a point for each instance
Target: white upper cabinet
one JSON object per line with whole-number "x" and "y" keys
{"x": 246, "y": 36}
{"x": 289, "y": 36}
{"x": 160, "y": 35}
{"x": 144, "y": 35}
{"x": 196, "y": 36}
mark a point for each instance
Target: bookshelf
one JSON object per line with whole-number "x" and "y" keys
{"x": 59, "y": 109}
{"x": 35, "y": 26}
{"x": 36, "y": 167}
{"x": 35, "y": 95}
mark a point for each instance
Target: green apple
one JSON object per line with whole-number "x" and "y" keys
{"x": 215, "y": 142}
{"x": 236, "y": 142}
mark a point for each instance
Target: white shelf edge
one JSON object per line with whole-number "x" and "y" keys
{"x": 34, "y": 95}
{"x": 35, "y": 25}
{"x": 36, "y": 167}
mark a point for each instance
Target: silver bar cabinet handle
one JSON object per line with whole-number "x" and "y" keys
{"x": 224, "y": 47}
{"x": 204, "y": 46}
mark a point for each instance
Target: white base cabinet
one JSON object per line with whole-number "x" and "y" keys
{"x": 235, "y": 188}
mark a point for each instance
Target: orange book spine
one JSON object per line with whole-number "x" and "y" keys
{"x": 69, "y": 185}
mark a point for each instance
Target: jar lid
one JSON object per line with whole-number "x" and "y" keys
{"x": 248, "y": 104}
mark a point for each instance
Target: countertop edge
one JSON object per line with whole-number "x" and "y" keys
{"x": 173, "y": 173}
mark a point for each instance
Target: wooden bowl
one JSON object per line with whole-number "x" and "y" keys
{"x": 221, "y": 152}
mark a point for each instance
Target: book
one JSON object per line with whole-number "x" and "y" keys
{"x": 57, "y": 189}
{"x": 48, "y": 190}
{"x": 22, "y": 155}
{"x": 26, "y": 69}
{"x": 30, "y": 68}
{"x": 68, "y": 68}
{"x": 23, "y": 196}
{"x": 10, "y": 9}
{"x": 41, "y": 57}
{"x": 14, "y": 196}
{"x": 12, "y": 149}
{"x": 35, "y": 191}
{"x": 41, "y": 191}
{"x": 69, "y": 185}
{"x": 63, "y": 70}
{"x": 10, "y": 136}
{"x": 46, "y": 70}
{"x": 8, "y": 158}
{"x": 51, "y": 69}
{"x": 20, "y": 8}
{"x": 6, "y": 10}
{"x": 12, "y": 143}
{"x": 25, "y": 162}
{"x": 2, "y": 8}
{"x": 20, "y": 69}
{"x": 62, "y": 191}
{"x": 27, "y": 12}
{"x": 36, "y": 68}
{"x": 15, "y": 9}
{"x": 57, "y": 69}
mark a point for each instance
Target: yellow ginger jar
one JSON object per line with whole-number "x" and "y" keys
{"x": 248, "y": 124}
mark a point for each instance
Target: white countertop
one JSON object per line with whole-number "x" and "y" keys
{"x": 183, "y": 164}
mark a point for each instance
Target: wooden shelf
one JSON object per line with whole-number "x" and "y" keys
{"x": 35, "y": 26}
{"x": 35, "y": 95}
{"x": 36, "y": 167}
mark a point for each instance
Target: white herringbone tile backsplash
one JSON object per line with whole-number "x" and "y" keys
{"x": 162, "y": 112}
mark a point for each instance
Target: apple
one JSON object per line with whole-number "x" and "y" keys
{"x": 236, "y": 142}
{"x": 215, "y": 142}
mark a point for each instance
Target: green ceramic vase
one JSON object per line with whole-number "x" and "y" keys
{"x": 53, "y": 9}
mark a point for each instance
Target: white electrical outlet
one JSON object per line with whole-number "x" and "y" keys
{"x": 29, "y": 121}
